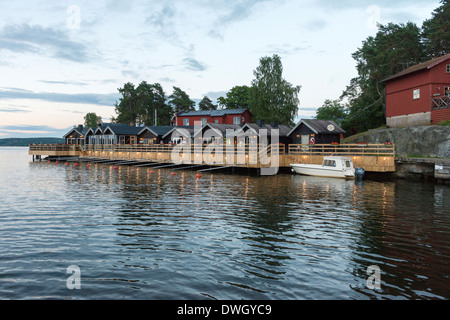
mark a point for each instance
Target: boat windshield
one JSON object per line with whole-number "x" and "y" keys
{"x": 347, "y": 164}
{"x": 329, "y": 163}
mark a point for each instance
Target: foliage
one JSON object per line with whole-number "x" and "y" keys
{"x": 236, "y": 98}
{"x": 138, "y": 105}
{"x": 332, "y": 110}
{"x": 445, "y": 123}
{"x": 91, "y": 120}
{"x": 271, "y": 97}
{"x": 23, "y": 142}
{"x": 206, "y": 104}
{"x": 180, "y": 101}
{"x": 394, "y": 48}
{"x": 436, "y": 31}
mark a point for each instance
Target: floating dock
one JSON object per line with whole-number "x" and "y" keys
{"x": 370, "y": 157}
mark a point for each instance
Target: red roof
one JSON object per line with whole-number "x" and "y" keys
{"x": 418, "y": 67}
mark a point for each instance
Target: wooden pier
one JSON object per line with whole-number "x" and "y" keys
{"x": 370, "y": 157}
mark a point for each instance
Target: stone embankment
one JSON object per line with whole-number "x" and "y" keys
{"x": 422, "y": 152}
{"x": 422, "y": 141}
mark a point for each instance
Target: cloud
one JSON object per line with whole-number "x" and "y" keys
{"x": 194, "y": 65}
{"x": 214, "y": 95}
{"x": 237, "y": 11}
{"x": 14, "y": 110}
{"x": 315, "y": 24}
{"x": 163, "y": 21}
{"x": 74, "y": 83}
{"x": 286, "y": 48}
{"x": 350, "y": 4}
{"x": 23, "y": 38}
{"x": 82, "y": 98}
{"x": 130, "y": 73}
{"x": 167, "y": 79}
{"x": 31, "y": 131}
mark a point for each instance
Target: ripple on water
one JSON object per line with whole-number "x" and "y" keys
{"x": 137, "y": 235}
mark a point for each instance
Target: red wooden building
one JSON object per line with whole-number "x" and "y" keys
{"x": 227, "y": 116}
{"x": 419, "y": 95}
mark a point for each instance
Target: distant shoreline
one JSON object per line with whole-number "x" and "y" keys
{"x": 25, "y": 142}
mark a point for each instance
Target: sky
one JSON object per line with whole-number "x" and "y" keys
{"x": 62, "y": 59}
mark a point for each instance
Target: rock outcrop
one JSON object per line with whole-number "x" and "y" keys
{"x": 421, "y": 141}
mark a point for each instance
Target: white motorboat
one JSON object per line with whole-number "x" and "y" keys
{"x": 334, "y": 167}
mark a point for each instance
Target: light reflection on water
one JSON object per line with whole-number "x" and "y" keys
{"x": 142, "y": 235}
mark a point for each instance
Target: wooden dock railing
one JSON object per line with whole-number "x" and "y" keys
{"x": 292, "y": 149}
{"x": 384, "y": 150}
{"x": 372, "y": 157}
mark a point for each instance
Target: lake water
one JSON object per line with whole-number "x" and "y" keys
{"x": 137, "y": 235}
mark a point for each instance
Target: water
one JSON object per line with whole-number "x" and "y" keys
{"x": 137, "y": 235}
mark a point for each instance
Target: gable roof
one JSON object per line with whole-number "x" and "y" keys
{"x": 189, "y": 129}
{"x": 157, "y": 130}
{"x": 212, "y": 113}
{"x": 220, "y": 128}
{"x": 81, "y": 130}
{"x": 319, "y": 126}
{"x": 283, "y": 130}
{"x": 119, "y": 129}
{"x": 419, "y": 67}
{"x": 72, "y": 130}
{"x": 90, "y": 130}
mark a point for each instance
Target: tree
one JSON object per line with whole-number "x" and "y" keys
{"x": 394, "y": 48}
{"x": 140, "y": 105}
{"x": 206, "y": 104}
{"x": 91, "y": 120}
{"x": 236, "y": 98}
{"x": 436, "y": 31}
{"x": 126, "y": 108}
{"x": 272, "y": 98}
{"x": 332, "y": 110}
{"x": 152, "y": 107}
{"x": 180, "y": 101}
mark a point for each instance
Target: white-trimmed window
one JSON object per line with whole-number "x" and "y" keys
{"x": 448, "y": 68}
{"x": 416, "y": 94}
{"x": 447, "y": 91}
{"x": 185, "y": 121}
{"x": 236, "y": 120}
{"x": 204, "y": 121}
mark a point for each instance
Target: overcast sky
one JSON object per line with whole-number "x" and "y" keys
{"x": 62, "y": 59}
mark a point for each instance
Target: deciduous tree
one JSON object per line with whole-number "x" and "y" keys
{"x": 91, "y": 120}
{"x": 272, "y": 98}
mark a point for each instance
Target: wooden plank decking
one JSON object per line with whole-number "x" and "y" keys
{"x": 371, "y": 157}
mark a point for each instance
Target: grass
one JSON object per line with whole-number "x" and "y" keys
{"x": 361, "y": 134}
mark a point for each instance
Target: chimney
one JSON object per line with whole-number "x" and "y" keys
{"x": 274, "y": 125}
{"x": 80, "y": 127}
{"x": 132, "y": 124}
{"x": 260, "y": 123}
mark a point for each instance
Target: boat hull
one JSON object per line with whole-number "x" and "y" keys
{"x": 320, "y": 171}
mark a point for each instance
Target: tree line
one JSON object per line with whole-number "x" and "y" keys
{"x": 394, "y": 48}
{"x": 270, "y": 98}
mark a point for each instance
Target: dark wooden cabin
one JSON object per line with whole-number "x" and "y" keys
{"x": 153, "y": 134}
{"x": 312, "y": 131}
